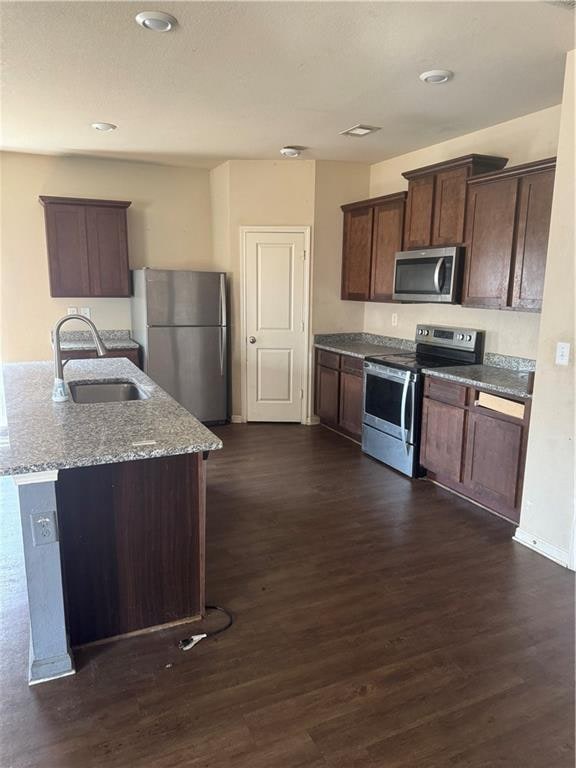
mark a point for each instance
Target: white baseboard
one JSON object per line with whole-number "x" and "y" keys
{"x": 236, "y": 419}
{"x": 312, "y": 421}
{"x": 550, "y": 551}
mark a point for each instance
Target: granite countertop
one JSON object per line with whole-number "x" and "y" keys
{"x": 80, "y": 340}
{"x": 355, "y": 348}
{"x": 501, "y": 381}
{"x": 502, "y": 374}
{"x": 361, "y": 344}
{"x": 43, "y": 435}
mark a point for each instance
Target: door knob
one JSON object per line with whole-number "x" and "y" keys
{"x": 252, "y": 339}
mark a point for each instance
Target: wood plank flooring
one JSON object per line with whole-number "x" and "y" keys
{"x": 380, "y": 623}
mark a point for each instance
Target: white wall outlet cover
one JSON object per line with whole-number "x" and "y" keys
{"x": 85, "y": 311}
{"x": 72, "y": 311}
{"x": 562, "y": 353}
{"x": 394, "y": 318}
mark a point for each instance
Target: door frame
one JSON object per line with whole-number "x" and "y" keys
{"x": 305, "y": 417}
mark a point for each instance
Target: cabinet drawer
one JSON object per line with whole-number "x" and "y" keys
{"x": 352, "y": 364}
{"x": 445, "y": 391}
{"x": 78, "y": 354}
{"x": 328, "y": 359}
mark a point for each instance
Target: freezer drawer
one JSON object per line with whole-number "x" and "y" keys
{"x": 191, "y": 365}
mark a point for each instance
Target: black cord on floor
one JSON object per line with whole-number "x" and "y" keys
{"x": 190, "y": 642}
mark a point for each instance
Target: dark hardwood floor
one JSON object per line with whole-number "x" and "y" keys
{"x": 380, "y": 623}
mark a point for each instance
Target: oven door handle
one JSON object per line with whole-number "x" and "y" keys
{"x": 439, "y": 266}
{"x": 403, "y": 411}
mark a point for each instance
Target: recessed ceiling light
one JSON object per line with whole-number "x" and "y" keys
{"x": 156, "y": 21}
{"x": 436, "y": 76}
{"x": 360, "y": 130}
{"x": 104, "y": 126}
{"x": 290, "y": 151}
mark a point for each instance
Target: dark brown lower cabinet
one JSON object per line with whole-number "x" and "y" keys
{"x": 339, "y": 392}
{"x": 132, "y": 544}
{"x": 493, "y": 456}
{"x": 350, "y": 416}
{"x": 474, "y": 450}
{"x": 327, "y": 389}
{"x": 442, "y": 438}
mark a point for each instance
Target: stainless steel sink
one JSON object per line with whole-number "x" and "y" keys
{"x": 105, "y": 391}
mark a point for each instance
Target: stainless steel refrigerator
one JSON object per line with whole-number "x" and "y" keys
{"x": 180, "y": 320}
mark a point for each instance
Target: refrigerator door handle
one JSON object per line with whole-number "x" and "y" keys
{"x": 222, "y": 348}
{"x": 223, "y": 299}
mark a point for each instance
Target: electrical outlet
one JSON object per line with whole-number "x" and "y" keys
{"x": 394, "y": 319}
{"x": 72, "y": 311}
{"x": 562, "y": 353}
{"x": 44, "y": 528}
{"x": 85, "y": 311}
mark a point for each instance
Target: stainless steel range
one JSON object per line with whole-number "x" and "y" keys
{"x": 393, "y": 392}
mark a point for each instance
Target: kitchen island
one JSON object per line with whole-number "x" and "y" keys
{"x": 112, "y": 503}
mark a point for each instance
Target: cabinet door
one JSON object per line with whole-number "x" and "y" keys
{"x": 327, "y": 390}
{"x": 67, "y": 250}
{"x": 419, "y": 212}
{"x": 107, "y": 251}
{"x": 356, "y": 253}
{"x": 77, "y": 354}
{"x": 386, "y": 241}
{"x": 534, "y": 211}
{"x": 442, "y": 439}
{"x": 490, "y": 222}
{"x": 350, "y": 417}
{"x": 132, "y": 354}
{"x": 449, "y": 207}
{"x": 492, "y": 466}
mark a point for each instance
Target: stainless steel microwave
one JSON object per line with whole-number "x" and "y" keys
{"x": 432, "y": 275}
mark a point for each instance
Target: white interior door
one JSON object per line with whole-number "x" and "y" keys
{"x": 275, "y": 284}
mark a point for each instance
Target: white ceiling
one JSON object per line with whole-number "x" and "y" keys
{"x": 242, "y": 79}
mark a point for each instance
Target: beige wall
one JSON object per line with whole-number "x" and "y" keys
{"x": 336, "y": 183}
{"x": 548, "y": 501}
{"x": 169, "y": 225}
{"x": 255, "y": 193}
{"x": 522, "y": 140}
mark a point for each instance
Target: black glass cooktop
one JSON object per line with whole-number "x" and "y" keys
{"x": 413, "y": 361}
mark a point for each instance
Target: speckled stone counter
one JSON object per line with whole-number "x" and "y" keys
{"x": 82, "y": 340}
{"x": 43, "y": 435}
{"x": 500, "y": 381}
{"x": 361, "y": 344}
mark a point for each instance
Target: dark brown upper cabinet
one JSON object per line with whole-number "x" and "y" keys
{"x": 356, "y": 252}
{"x": 87, "y": 247}
{"x": 507, "y": 226}
{"x": 436, "y": 204}
{"x": 372, "y": 235}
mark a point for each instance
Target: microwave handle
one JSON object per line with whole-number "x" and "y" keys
{"x": 403, "y": 410}
{"x": 439, "y": 265}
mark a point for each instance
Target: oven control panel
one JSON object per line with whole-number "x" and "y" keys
{"x": 466, "y": 339}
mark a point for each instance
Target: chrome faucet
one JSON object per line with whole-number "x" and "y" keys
{"x": 60, "y": 390}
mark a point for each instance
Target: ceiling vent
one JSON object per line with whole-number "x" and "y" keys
{"x": 360, "y": 130}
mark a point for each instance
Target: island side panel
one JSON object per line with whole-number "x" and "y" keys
{"x": 132, "y": 540}
{"x": 50, "y": 655}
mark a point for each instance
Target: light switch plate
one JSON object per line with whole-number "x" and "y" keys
{"x": 562, "y": 353}
{"x": 44, "y": 528}
{"x": 85, "y": 311}
{"x": 394, "y": 319}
